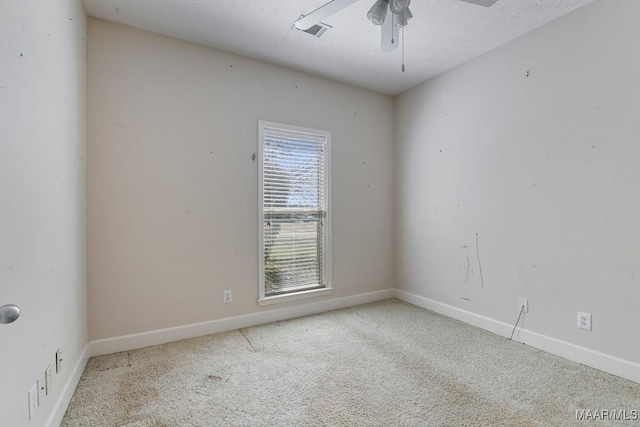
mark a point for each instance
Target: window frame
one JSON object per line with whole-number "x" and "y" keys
{"x": 271, "y": 128}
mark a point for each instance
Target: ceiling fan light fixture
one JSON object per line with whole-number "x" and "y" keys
{"x": 399, "y": 6}
{"x": 402, "y": 19}
{"x": 378, "y": 12}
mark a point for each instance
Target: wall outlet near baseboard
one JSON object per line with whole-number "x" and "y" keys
{"x": 227, "y": 296}
{"x": 584, "y": 321}
{"x": 42, "y": 388}
{"x": 523, "y": 303}
{"x": 48, "y": 374}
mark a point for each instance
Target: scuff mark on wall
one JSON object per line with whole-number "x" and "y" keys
{"x": 468, "y": 275}
{"x": 479, "y": 263}
{"x": 467, "y": 267}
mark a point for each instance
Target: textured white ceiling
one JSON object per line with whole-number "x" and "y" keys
{"x": 442, "y": 34}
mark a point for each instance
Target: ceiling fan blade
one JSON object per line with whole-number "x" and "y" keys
{"x": 485, "y": 3}
{"x": 321, "y": 13}
{"x": 390, "y": 35}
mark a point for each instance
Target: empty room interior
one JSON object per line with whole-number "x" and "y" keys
{"x": 354, "y": 212}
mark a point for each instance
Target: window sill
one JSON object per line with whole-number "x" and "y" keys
{"x": 292, "y": 297}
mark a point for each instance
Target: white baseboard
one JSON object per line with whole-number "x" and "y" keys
{"x": 162, "y": 336}
{"x": 604, "y": 362}
{"x": 69, "y": 388}
{"x": 585, "y": 356}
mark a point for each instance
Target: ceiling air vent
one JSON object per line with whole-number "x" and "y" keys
{"x": 317, "y": 30}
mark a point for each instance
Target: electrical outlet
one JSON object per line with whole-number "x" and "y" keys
{"x": 523, "y": 302}
{"x": 33, "y": 400}
{"x": 58, "y": 361}
{"x": 584, "y": 321}
{"x": 227, "y": 296}
{"x": 48, "y": 379}
{"x": 42, "y": 388}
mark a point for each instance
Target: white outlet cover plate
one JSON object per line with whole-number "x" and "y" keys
{"x": 33, "y": 400}
{"x": 42, "y": 388}
{"x": 48, "y": 374}
{"x": 584, "y": 321}
{"x": 523, "y": 302}
{"x": 227, "y": 297}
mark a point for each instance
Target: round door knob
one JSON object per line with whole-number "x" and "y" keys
{"x": 9, "y": 313}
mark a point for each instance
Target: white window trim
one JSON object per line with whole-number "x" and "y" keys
{"x": 294, "y": 296}
{"x": 262, "y": 300}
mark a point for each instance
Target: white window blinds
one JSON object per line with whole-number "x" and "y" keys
{"x": 294, "y": 199}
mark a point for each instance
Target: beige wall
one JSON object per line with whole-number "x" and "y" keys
{"x": 544, "y": 168}
{"x": 42, "y": 199}
{"x": 173, "y": 189}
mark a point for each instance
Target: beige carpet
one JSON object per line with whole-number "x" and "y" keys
{"x": 381, "y": 364}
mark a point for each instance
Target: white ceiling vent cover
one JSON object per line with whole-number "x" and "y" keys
{"x": 317, "y": 30}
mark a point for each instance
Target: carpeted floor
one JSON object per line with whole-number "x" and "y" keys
{"x": 381, "y": 364}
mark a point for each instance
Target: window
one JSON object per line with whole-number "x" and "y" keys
{"x": 295, "y": 222}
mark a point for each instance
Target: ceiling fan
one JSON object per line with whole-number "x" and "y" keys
{"x": 378, "y": 15}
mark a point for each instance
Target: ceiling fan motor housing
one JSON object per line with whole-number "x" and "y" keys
{"x": 399, "y": 6}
